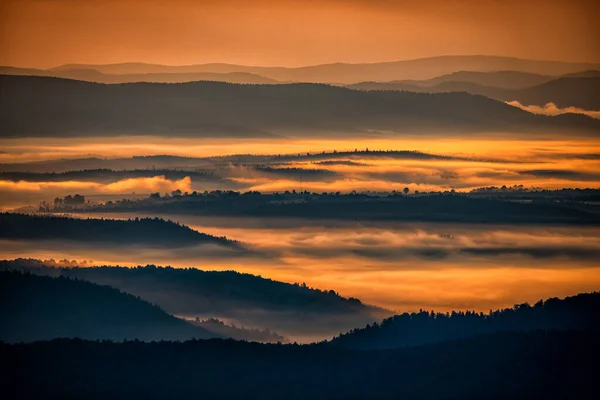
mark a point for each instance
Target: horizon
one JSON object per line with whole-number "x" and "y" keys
{"x": 313, "y": 176}
{"x": 592, "y": 63}
{"x": 290, "y": 33}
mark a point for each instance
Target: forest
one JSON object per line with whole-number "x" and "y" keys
{"x": 155, "y": 231}
{"x": 436, "y": 207}
{"x": 504, "y": 365}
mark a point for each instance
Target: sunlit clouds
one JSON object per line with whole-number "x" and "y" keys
{"x": 23, "y": 193}
{"x": 400, "y": 266}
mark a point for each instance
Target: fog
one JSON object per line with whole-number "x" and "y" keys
{"x": 448, "y": 164}
{"x": 402, "y": 267}
{"x": 553, "y": 109}
{"x": 399, "y": 266}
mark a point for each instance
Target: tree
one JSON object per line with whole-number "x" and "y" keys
{"x": 405, "y": 191}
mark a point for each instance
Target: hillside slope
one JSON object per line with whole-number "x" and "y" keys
{"x": 246, "y": 299}
{"x": 46, "y": 107}
{"x": 581, "y": 312}
{"x": 41, "y": 307}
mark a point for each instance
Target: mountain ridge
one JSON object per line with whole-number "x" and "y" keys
{"x": 46, "y": 107}
{"x": 420, "y": 68}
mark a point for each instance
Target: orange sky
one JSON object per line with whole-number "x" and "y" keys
{"x": 46, "y": 33}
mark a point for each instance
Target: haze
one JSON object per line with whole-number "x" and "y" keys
{"x": 47, "y": 33}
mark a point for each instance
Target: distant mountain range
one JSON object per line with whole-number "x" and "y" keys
{"x": 424, "y": 68}
{"x": 93, "y": 75}
{"x": 46, "y": 107}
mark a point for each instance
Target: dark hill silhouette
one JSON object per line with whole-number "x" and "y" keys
{"x": 41, "y": 307}
{"x": 163, "y": 163}
{"x": 93, "y": 163}
{"x": 499, "y": 79}
{"x": 564, "y": 92}
{"x": 151, "y": 231}
{"x": 592, "y": 73}
{"x": 210, "y": 175}
{"x": 547, "y": 365}
{"x": 106, "y": 175}
{"x": 92, "y": 75}
{"x": 435, "y": 207}
{"x": 41, "y": 107}
{"x": 577, "y": 91}
{"x": 581, "y": 312}
{"x": 423, "y": 68}
{"x": 250, "y": 300}
{"x": 221, "y": 329}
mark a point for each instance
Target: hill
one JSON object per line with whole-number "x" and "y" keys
{"x": 41, "y": 307}
{"x": 164, "y": 164}
{"x": 221, "y": 329}
{"x": 564, "y": 92}
{"x": 248, "y": 300}
{"x": 582, "y": 92}
{"x": 434, "y": 207}
{"x": 548, "y": 365}
{"x": 154, "y": 231}
{"x": 92, "y": 75}
{"x": 499, "y": 79}
{"x": 581, "y": 312}
{"x": 46, "y": 107}
{"x": 423, "y": 68}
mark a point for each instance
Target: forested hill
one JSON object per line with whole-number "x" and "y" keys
{"x": 545, "y": 365}
{"x": 154, "y": 231}
{"x": 41, "y": 307}
{"x": 437, "y": 207}
{"x": 247, "y": 299}
{"x": 581, "y": 312}
{"x": 52, "y": 107}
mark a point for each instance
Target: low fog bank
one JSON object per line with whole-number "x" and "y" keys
{"x": 532, "y": 164}
{"x": 552, "y": 109}
{"x": 295, "y": 311}
{"x": 398, "y": 266}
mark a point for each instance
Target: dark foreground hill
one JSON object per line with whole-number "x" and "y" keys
{"x": 47, "y": 107}
{"x": 581, "y": 312}
{"x": 40, "y": 307}
{"x": 246, "y": 299}
{"x": 148, "y": 231}
{"x": 544, "y": 365}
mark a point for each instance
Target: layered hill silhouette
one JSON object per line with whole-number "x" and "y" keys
{"x": 46, "y": 107}
{"x": 149, "y": 231}
{"x": 249, "y": 300}
{"x": 574, "y": 91}
{"x": 581, "y": 312}
{"x": 499, "y": 79}
{"x": 76, "y": 167}
{"x": 435, "y": 207}
{"x": 41, "y": 307}
{"x": 424, "y": 68}
{"x": 221, "y": 329}
{"x": 549, "y": 365}
{"x": 93, "y": 75}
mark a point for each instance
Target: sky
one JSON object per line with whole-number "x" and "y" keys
{"x": 47, "y": 33}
